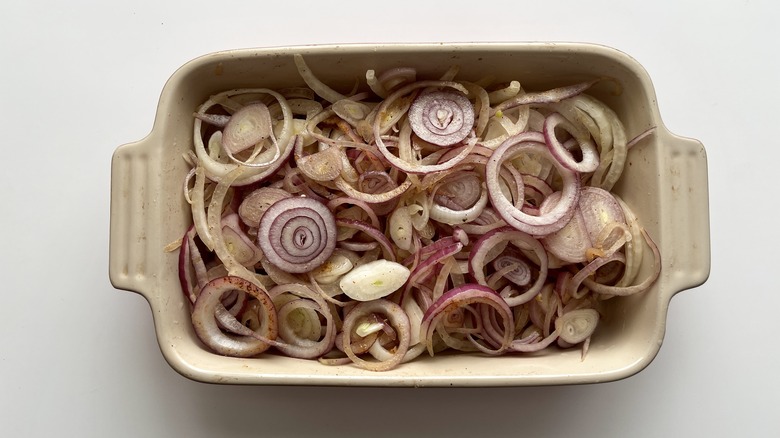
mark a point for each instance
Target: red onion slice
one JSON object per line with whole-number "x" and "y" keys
{"x": 189, "y": 260}
{"x": 297, "y": 234}
{"x": 397, "y": 319}
{"x": 443, "y": 118}
{"x": 590, "y": 156}
{"x": 387, "y": 247}
{"x": 596, "y": 209}
{"x": 247, "y": 127}
{"x": 205, "y": 323}
{"x": 400, "y": 163}
{"x": 513, "y": 269}
{"x": 462, "y": 296}
{"x": 218, "y": 120}
{"x": 637, "y": 288}
{"x": 301, "y": 347}
{"x": 373, "y": 198}
{"x": 457, "y": 190}
{"x": 324, "y": 165}
{"x": 557, "y": 217}
{"x": 550, "y": 96}
{"x": 478, "y": 258}
{"x": 460, "y": 216}
{"x": 253, "y": 171}
{"x": 315, "y": 83}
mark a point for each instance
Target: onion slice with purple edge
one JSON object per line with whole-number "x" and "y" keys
{"x": 205, "y": 323}
{"x": 310, "y": 349}
{"x": 387, "y": 247}
{"x": 596, "y": 209}
{"x": 462, "y": 296}
{"x": 297, "y": 234}
{"x": 549, "y": 96}
{"x": 558, "y": 216}
{"x": 590, "y": 156}
{"x": 486, "y": 243}
{"x": 397, "y": 319}
{"x": 401, "y": 164}
{"x": 252, "y": 173}
{"x": 459, "y": 199}
{"x": 443, "y": 118}
{"x": 186, "y": 266}
{"x": 247, "y": 127}
{"x": 637, "y": 288}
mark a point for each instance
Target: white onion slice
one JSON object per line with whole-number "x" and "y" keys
{"x": 576, "y": 326}
{"x": 374, "y": 280}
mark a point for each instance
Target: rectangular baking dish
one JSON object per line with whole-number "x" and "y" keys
{"x": 665, "y": 182}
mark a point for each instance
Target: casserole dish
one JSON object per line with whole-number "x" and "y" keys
{"x": 665, "y": 182}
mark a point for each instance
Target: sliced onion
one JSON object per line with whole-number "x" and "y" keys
{"x": 218, "y": 120}
{"x": 285, "y": 140}
{"x": 456, "y": 217}
{"x": 301, "y": 347}
{"x": 247, "y": 127}
{"x": 400, "y": 163}
{"x": 613, "y": 160}
{"x": 374, "y": 181}
{"x": 515, "y": 270}
{"x": 387, "y": 247}
{"x": 462, "y": 296}
{"x": 257, "y": 202}
{"x": 549, "y": 96}
{"x": 297, "y": 234}
{"x": 233, "y": 266}
{"x": 325, "y": 165}
{"x": 511, "y": 90}
{"x": 205, "y": 322}
{"x": 314, "y": 83}
{"x": 443, "y": 118}
{"x": 395, "y": 77}
{"x": 557, "y": 217}
{"x": 397, "y": 318}
{"x": 337, "y": 265}
{"x": 637, "y": 288}
{"x": 351, "y": 111}
{"x": 189, "y": 258}
{"x": 499, "y": 204}
{"x": 373, "y": 198}
{"x": 374, "y": 280}
{"x": 596, "y": 208}
{"x": 400, "y": 228}
{"x": 590, "y": 156}
{"x": 238, "y": 243}
{"x": 483, "y": 247}
{"x": 576, "y": 326}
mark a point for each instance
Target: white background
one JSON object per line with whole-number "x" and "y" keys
{"x": 79, "y": 358}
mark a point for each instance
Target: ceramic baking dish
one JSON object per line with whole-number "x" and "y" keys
{"x": 665, "y": 182}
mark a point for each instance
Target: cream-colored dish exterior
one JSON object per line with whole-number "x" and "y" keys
{"x": 665, "y": 181}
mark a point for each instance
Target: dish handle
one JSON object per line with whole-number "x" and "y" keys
{"x": 687, "y": 219}
{"x": 131, "y": 204}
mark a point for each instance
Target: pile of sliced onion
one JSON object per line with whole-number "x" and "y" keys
{"x": 409, "y": 215}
